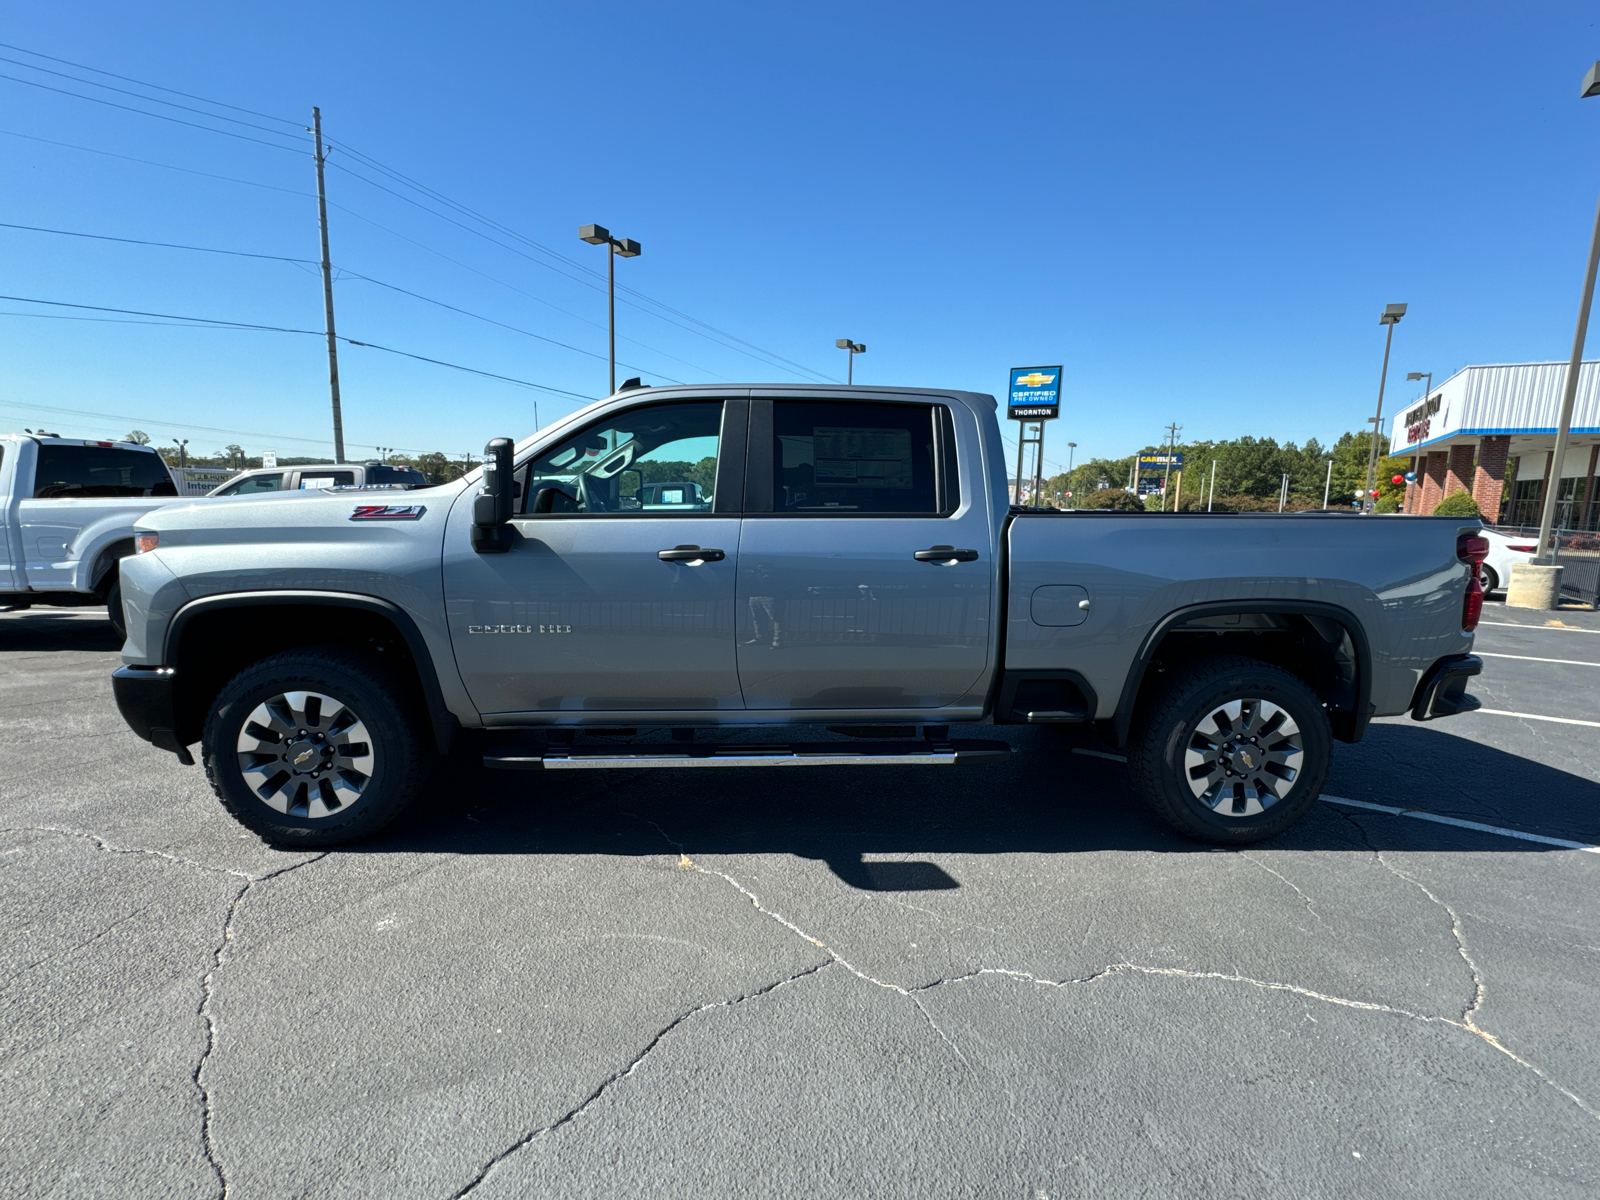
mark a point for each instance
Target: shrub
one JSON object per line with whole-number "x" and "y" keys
{"x": 1457, "y": 504}
{"x": 1391, "y": 503}
{"x": 1113, "y": 498}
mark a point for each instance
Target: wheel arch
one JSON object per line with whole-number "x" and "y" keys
{"x": 1343, "y": 668}
{"x": 204, "y": 645}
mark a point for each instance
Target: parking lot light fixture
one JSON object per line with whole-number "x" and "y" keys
{"x": 855, "y": 348}
{"x": 1391, "y": 317}
{"x": 599, "y": 235}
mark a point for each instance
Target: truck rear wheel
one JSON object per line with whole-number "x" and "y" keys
{"x": 1232, "y": 751}
{"x": 314, "y": 748}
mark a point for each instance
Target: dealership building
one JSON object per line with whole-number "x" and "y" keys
{"x": 1491, "y": 431}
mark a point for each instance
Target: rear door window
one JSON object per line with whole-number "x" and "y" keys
{"x": 313, "y": 479}
{"x": 843, "y": 458}
{"x": 76, "y": 472}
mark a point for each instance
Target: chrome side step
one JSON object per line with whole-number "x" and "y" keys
{"x": 804, "y": 754}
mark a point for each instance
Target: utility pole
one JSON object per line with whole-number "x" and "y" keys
{"x": 1212, "y": 499}
{"x": 1172, "y": 443}
{"x": 327, "y": 294}
{"x": 1327, "y": 484}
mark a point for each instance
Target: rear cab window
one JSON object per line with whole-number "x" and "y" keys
{"x": 67, "y": 472}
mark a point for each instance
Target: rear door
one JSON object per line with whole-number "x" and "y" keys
{"x": 864, "y": 575}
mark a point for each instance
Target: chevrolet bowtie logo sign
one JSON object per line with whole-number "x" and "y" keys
{"x": 1035, "y": 379}
{"x": 1035, "y": 394}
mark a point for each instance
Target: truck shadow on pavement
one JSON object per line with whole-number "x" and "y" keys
{"x": 35, "y": 629}
{"x": 1047, "y": 800}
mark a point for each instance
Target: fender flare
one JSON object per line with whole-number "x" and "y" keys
{"x": 446, "y": 726}
{"x": 1354, "y": 726}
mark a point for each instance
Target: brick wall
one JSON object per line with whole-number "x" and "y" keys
{"x": 1458, "y": 473}
{"x": 1433, "y": 481}
{"x": 1489, "y": 479}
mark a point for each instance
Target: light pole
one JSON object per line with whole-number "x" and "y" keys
{"x": 1391, "y": 317}
{"x": 855, "y": 348}
{"x": 1427, "y": 394}
{"x": 183, "y": 452}
{"x": 1547, "y": 517}
{"x": 1071, "y": 446}
{"x": 599, "y": 235}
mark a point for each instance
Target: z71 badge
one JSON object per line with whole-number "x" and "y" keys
{"x": 388, "y": 512}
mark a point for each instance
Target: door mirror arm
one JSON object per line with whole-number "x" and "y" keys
{"x": 491, "y": 507}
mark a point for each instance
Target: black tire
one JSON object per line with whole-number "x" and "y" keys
{"x": 114, "y": 608}
{"x": 1170, "y": 725}
{"x": 1491, "y": 581}
{"x": 398, "y": 752}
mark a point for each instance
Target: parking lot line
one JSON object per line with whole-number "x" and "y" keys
{"x": 1556, "y": 628}
{"x": 1566, "y": 662}
{"x": 1503, "y": 712}
{"x": 1437, "y": 819}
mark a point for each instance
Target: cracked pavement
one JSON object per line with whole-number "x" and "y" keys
{"x": 994, "y": 981}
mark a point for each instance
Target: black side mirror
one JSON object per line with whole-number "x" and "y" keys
{"x": 491, "y": 508}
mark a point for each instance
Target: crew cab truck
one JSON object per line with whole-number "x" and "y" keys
{"x": 67, "y": 509}
{"x": 847, "y": 560}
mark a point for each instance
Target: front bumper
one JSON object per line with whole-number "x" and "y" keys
{"x": 146, "y": 699}
{"x": 1443, "y": 690}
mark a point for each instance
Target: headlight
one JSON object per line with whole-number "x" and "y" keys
{"x": 148, "y": 542}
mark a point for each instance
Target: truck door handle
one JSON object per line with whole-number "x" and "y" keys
{"x": 690, "y": 554}
{"x": 941, "y": 554}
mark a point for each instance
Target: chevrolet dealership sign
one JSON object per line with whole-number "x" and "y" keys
{"x": 1035, "y": 394}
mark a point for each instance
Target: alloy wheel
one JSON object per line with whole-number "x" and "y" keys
{"x": 1242, "y": 757}
{"x": 306, "y": 754}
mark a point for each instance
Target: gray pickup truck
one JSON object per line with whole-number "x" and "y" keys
{"x": 642, "y": 584}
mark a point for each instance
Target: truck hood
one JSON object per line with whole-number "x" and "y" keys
{"x": 313, "y": 517}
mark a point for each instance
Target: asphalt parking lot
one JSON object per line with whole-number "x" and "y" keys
{"x": 992, "y": 981}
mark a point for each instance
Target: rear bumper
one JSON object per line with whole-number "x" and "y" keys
{"x": 145, "y": 697}
{"x": 1443, "y": 690}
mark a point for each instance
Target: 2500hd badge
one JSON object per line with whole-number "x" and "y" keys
{"x": 519, "y": 628}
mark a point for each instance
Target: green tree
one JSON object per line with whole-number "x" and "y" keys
{"x": 138, "y": 437}
{"x": 1113, "y": 498}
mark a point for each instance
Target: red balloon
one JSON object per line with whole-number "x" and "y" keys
{"x": 1398, "y": 479}
{"x": 1374, "y": 491}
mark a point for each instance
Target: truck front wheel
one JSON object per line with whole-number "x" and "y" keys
{"x": 314, "y": 748}
{"x": 1231, "y": 751}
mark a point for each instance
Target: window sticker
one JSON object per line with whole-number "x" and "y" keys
{"x": 863, "y": 458}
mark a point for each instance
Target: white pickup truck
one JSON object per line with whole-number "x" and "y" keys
{"x": 67, "y": 510}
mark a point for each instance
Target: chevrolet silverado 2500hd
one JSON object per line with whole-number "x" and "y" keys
{"x": 702, "y": 559}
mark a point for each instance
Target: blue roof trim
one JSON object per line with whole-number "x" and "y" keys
{"x": 1523, "y": 431}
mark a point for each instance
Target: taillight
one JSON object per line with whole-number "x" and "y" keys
{"x": 1523, "y": 548}
{"x": 148, "y": 542}
{"x": 1472, "y": 549}
{"x": 1472, "y": 605}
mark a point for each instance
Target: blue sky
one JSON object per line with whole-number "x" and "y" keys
{"x": 1199, "y": 210}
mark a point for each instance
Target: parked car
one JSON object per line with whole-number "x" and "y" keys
{"x": 318, "y": 476}
{"x": 855, "y": 567}
{"x": 1505, "y": 551}
{"x": 67, "y": 510}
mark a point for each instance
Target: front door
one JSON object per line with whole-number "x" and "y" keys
{"x": 617, "y": 595}
{"x": 837, "y": 609}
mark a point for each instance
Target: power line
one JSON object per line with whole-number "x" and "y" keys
{"x": 159, "y": 423}
{"x": 244, "y": 137}
{"x": 17, "y": 62}
{"x": 345, "y": 271}
{"x": 706, "y": 329}
{"x": 219, "y": 323}
{"x": 164, "y": 166}
{"x": 105, "y": 237}
{"x": 156, "y": 86}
